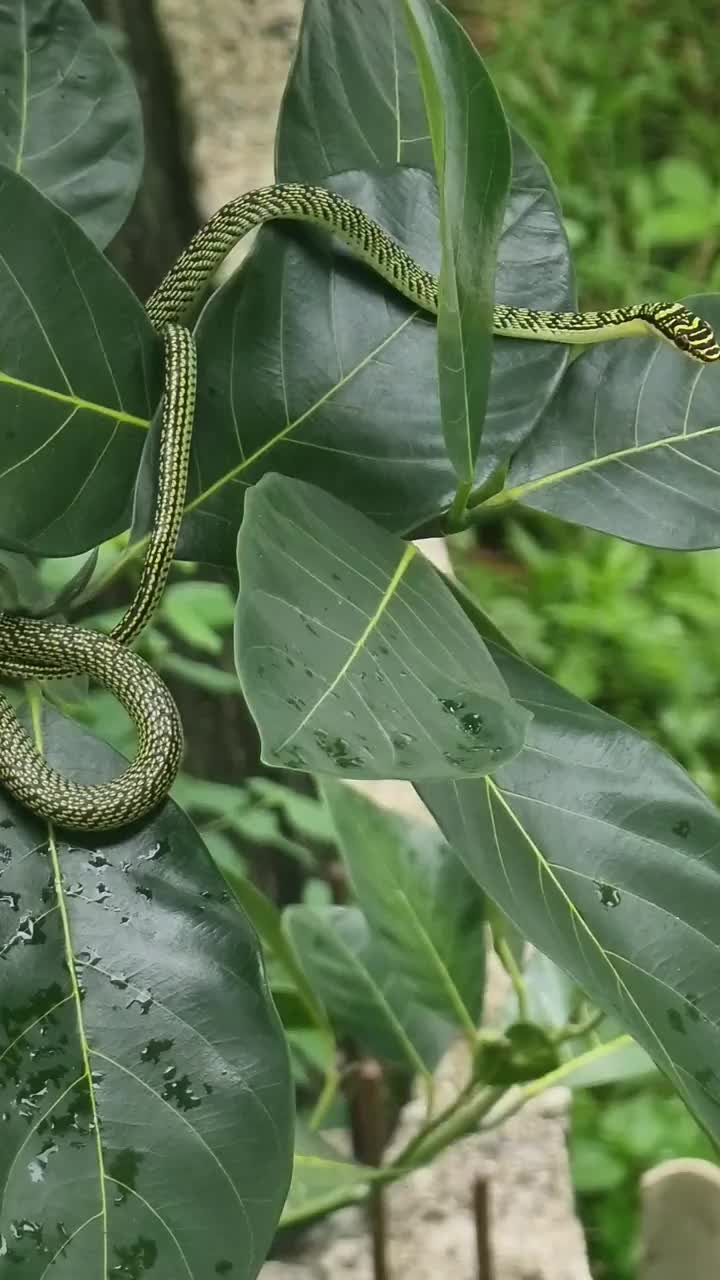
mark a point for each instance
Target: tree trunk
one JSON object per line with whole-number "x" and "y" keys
{"x": 165, "y": 213}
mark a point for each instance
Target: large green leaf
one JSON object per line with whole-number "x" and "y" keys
{"x": 365, "y": 997}
{"x": 353, "y": 656}
{"x": 315, "y": 368}
{"x": 80, "y": 376}
{"x": 144, "y": 1081}
{"x": 607, "y": 857}
{"x": 70, "y": 117}
{"x": 418, "y": 899}
{"x": 630, "y": 445}
{"x": 471, "y": 149}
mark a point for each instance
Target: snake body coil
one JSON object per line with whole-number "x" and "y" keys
{"x": 39, "y": 649}
{"x": 34, "y": 649}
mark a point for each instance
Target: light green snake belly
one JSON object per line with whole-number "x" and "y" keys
{"x": 37, "y": 649}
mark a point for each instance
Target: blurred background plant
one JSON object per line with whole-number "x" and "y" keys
{"x": 621, "y": 100}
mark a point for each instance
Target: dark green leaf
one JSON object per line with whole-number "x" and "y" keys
{"x": 606, "y": 855}
{"x": 370, "y": 116}
{"x": 79, "y": 380}
{"x": 353, "y": 656}
{"x": 70, "y": 118}
{"x": 365, "y": 998}
{"x": 471, "y": 149}
{"x": 144, "y": 1077}
{"x": 366, "y": 110}
{"x": 356, "y": 409}
{"x": 314, "y": 367}
{"x": 419, "y": 900}
{"x": 630, "y": 445}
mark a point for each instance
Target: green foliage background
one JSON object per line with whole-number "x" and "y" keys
{"x": 637, "y": 169}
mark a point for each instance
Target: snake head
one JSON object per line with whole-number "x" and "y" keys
{"x": 688, "y": 332}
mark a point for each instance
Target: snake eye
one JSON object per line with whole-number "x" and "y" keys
{"x": 702, "y": 345}
{"x": 687, "y": 331}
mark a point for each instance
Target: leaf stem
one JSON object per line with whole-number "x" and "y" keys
{"x": 457, "y": 515}
{"x": 517, "y": 1098}
{"x": 578, "y": 1030}
{"x": 511, "y": 967}
{"x": 326, "y": 1099}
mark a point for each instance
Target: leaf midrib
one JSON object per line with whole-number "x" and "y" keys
{"x": 234, "y": 473}
{"x": 77, "y": 1000}
{"x": 577, "y": 919}
{"x": 517, "y": 492}
{"x": 408, "y": 554}
{"x": 103, "y": 411}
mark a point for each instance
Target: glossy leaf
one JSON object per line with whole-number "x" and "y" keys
{"x": 355, "y": 407}
{"x": 607, "y": 857}
{"x": 418, "y": 899}
{"x": 630, "y": 445}
{"x": 364, "y": 996}
{"x": 314, "y": 367}
{"x": 80, "y": 377}
{"x": 70, "y": 118}
{"x": 471, "y": 150}
{"x": 352, "y": 654}
{"x": 146, "y": 1105}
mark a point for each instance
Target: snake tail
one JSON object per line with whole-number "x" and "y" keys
{"x": 177, "y": 294}
{"x": 138, "y": 789}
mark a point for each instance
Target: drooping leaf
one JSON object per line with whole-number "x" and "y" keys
{"x": 357, "y": 408}
{"x": 267, "y": 920}
{"x": 630, "y": 445}
{"x": 418, "y": 900}
{"x": 70, "y": 118}
{"x": 146, "y": 1105}
{"x": 364, "y": 997}
{"x": 353, "y": 656}
{"x": 617, "y": 1059}
{"x": 321, "y": 1179}
{"x": 471, "y": 150}
{"x": 607, "y": 857}
{"x": 80, "y": 377}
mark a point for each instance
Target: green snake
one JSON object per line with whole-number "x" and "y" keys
{"x": 40, "y": 649}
